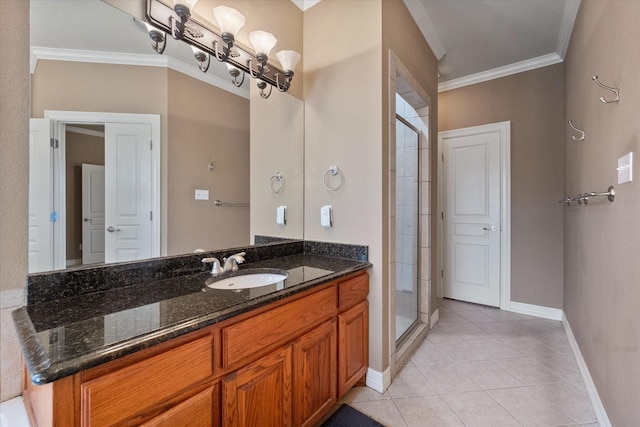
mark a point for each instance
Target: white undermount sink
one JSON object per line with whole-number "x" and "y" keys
{"x": 248, "y": 279}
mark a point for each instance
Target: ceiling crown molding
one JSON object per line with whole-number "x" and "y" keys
{"x": 428, "y": 30}
{"x": 507, "y": 70}
{"x": 100, "y": 57}
{"x": 305, "y": 4}
{"x": 566, "y": 27}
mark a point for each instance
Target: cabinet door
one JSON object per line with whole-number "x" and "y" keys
{"x": 198, "y": 411}
{"x": 260, "y": 393}
{"x": 315, "y": 373}
{"x": 353, "y": 347}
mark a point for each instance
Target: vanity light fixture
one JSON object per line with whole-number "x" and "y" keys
{"x": 207, "y": 42}
{"x": 183, "y": 10}
{"x": 158, "y": 37}
{"x": 235, "y": 72}
{"x": 203, "y": 58}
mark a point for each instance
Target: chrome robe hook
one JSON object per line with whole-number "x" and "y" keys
{"x": 616, "y": 91}
{"x": 581, "y": 137}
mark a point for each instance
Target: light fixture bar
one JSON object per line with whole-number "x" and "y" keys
{"x": 198, "y": 35}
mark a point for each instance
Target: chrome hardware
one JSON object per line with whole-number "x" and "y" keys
{"x": 584, "y": 198}
{"x": 215, "y": 268}
{"x": 492, "y": 228}
{"x": 231, "y": 263}
{"x": 111, "y": 229}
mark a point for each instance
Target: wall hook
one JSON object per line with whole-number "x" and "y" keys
{"x": 611, "y": 89}
{"x": 581, "y": 137}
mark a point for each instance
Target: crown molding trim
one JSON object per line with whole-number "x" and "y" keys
{"x": 566, "y": 27}
{"x": 303, "y": 5}
{"x": 117, "y": 58}
{"x": 496, "y": 73}
{"x": 428, "y": 30}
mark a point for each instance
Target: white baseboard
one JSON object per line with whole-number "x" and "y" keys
{"x": 379, "y": 381}
{"x": 435, "y": 318}
{"x": 536, "y": 310}
{"x": 598, "y": 407}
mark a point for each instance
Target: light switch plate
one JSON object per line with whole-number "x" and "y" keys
{"x": 202, "y": 194}
{"x": 625, "y": 168}
{"x": 281, "y": 215}
{"x": 326, "y": 216}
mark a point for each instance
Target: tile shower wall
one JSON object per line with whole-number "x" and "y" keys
{"x": 408, "y": 180}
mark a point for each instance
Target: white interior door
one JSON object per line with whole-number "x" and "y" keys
{"x": 40, "y": 196}
{"x": 472, "y": 214}
{"x": 128, "y": 192}
{"x": 93, "y": 226}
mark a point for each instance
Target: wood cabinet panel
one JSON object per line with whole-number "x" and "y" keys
{"x": 260, "y": 393}
{"x": 353, "y": 346}
{"x": 198, "y": 411}
{"x": 118, "y": 395}
{"x": 276, "y": 326}
{"x": 353, "y": 291}
{"x": 315, "y": 373}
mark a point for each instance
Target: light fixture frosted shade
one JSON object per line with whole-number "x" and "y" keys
{"x": 196, "y": 51}
{"x": 150, "y": 27}
{"x": 231, "y": 67}
{"x": 262, "y": 42}
{"x": 229, "y": 19}
{"x": 187, "y": 3}
{"x": 288, "y": 59}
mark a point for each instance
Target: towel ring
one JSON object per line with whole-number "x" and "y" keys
{"x": 276, "y": 181}
{"x": 332, "y": 171}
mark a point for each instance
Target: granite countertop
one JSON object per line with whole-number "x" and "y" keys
{"x": 65, "y": 336}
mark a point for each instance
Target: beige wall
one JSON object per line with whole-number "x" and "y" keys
{"x": 346, "y": 124}
{"x": 534, "y": 103}
{"x": 602, "y": 240}
{"x": 206, "y": 122}
{"x": 80, "y": 148}
{"x": 14, "y": 159}
{"x": 277, "y": 144}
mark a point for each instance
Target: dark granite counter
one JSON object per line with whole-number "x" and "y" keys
{"x": 64, "y": 336}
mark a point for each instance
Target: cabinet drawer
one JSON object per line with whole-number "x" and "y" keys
{"x": 116, "y": 396}
{"x": 260, "y": 332}
{"x": 199, "y": 410}
{"x": 353, "y": 291}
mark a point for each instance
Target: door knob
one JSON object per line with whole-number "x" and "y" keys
{"x": 111, "y": 229}
{"x": 492, "y": 228}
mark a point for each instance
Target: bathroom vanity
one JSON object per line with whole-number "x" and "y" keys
{"x": 278, "y": 355}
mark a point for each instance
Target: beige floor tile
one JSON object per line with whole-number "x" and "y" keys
{"x": 571, "y": 398}
{"x": 478, "y": 409}
{"x": 461, "y": 351}
{"x": 458, "y": 305}
{"x": 527, "y": 370}
{"x": 410, "y": 383}
{"x": 450, "y": 318}
{"x": 427, "y": 411}
{"x": 563, "y": 365}
{"x": 383, "y": 411}
{"x": 529, "y": 408}
{"x": 475, "y": 316}
{"x": 463, "y": 331}
{"x": 429, "y": 354}
{"x": 493, "y": 348}
{"x": 489, "y": 375}
{"x": 527, "y": 345}
{"x": 504, "y": 316}
{"x": 500, "y": 329}
{"x": 364, "y": 394}
{"x": 448, "y": 378}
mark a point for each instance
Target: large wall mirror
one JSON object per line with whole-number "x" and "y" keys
{"x": 109, "y": 98}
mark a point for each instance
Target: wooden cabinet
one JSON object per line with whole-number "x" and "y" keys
{"x": 284, "y": 364}
{"x": 315, "y": 373}
{"x": 259, "y": 394}
{"x": 353, "y": 346}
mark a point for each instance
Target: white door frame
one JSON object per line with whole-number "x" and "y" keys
{"x": 504, "y": 128}
{"x": 60, "y": 119}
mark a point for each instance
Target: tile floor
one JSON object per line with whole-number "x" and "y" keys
{"x": 481, "y": 366}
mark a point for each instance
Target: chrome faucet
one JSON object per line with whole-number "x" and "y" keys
{"x": 231, "y": 262}
{"x": 215, "y": 268}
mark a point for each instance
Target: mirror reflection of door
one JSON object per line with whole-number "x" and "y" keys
{"x": 93, "y": 226}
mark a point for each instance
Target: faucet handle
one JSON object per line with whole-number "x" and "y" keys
{"x": 215, "y": 268}
{"x": 232, "y": 261}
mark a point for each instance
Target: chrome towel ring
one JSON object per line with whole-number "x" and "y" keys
{"x": 276, "y": 182}
{"x": 332, "y": 171}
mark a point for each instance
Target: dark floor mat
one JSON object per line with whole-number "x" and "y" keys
{"x": 346, "y": 416}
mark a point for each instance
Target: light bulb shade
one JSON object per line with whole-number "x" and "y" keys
{"x": 262, "y": 42}
{"x": 288, "y": 59}
{"x": 199, "y": 53}
{"x": 188, "y": 3}
{"x": 231, "y": 67}
{"x": 149, "y": 27}
{"x": 229, "y": 19}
